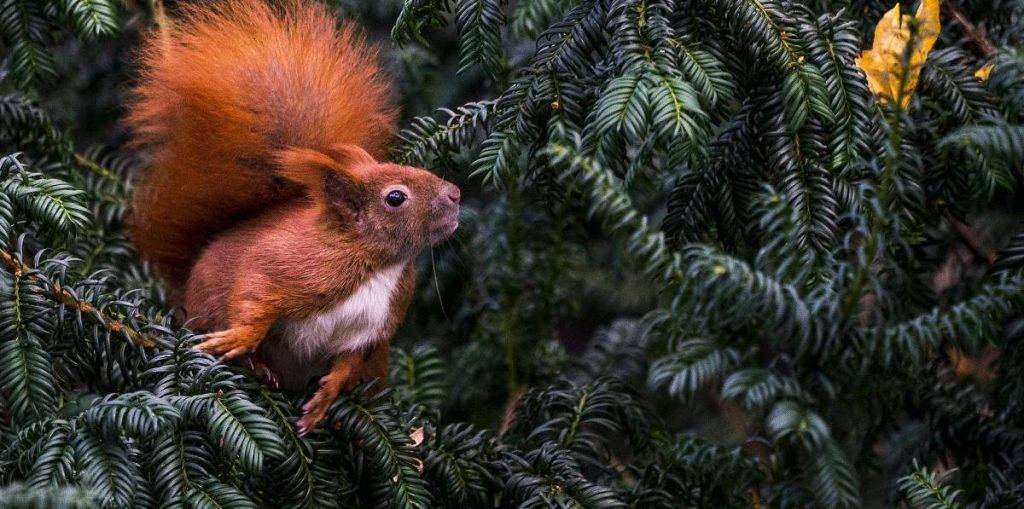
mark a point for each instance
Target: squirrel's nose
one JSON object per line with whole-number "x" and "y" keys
{"x": 454, "y": 194}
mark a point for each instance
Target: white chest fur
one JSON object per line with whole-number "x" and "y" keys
{"x": 352, "y": 323}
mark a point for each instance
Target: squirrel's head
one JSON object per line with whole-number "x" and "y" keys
{"x": 395, "y": 210}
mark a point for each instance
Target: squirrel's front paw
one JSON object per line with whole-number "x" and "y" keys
{"x": 228, "y": 343}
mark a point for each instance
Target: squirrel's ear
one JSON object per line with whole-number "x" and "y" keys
{"x": 348, "y": 154}
{"x": 344, "y": 194}
{"x": 305, "y": 167}
{"x": 324, "y": 177}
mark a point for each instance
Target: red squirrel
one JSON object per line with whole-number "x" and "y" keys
{"x": 265, "y": 207}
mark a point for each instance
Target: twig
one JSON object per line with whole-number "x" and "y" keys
{"x": 509, "y": 415}
{"x": 972, "y": 238}
{"x": 94, "y": 167}
{"x": 971, "y": 30}
{"x": 59, "y": 294}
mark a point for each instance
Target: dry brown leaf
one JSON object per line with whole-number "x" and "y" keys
{"x": 417, "y": 436}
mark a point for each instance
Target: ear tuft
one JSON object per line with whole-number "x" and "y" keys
{"x": 305, "y": 167}
{"x": 347, "y": 154}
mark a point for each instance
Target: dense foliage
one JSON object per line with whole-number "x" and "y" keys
{"x": 702, "y": 265}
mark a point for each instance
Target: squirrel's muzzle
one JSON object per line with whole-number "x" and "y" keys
{"x": 446, "y": 212}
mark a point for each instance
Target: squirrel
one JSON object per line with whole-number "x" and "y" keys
{"x": 264, "y": 205}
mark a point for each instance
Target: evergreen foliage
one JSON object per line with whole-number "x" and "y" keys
{"x": 701, "y": 266}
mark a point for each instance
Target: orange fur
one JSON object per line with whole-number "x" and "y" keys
{"x": 233, "y": 83}
{"x": 265, "y": 207}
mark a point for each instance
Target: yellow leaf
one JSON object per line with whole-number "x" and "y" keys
{"x": 883, "y": 63}
{"x": 983, "y": 73}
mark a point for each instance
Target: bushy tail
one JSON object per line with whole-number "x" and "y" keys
{"x": 228, "y": 86}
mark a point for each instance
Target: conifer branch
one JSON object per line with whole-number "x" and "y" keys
{"x": 58, "y": 294}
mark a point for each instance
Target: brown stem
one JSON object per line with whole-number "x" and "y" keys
{"x": 972, "y": 238}
{"x": 509, "y": 414}
{"x": 971, "y": 30}
{"x": 59, "y": 294}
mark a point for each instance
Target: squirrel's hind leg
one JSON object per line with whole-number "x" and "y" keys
{"x": 347, "y": 370}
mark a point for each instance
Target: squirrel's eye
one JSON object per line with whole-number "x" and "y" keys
{"x": 395, "y": 198}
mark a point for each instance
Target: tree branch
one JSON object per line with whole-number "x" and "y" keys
{"x": 971, "y": 30}
{"x": 59, "y": 294}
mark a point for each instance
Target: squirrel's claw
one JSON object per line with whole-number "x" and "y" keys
{"x": 263, "y": 371}
{"x": 313, "y": 413}
{"x": 270, "y": 378}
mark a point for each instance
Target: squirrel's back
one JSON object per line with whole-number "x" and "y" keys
{"x": 221, "y": 92}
